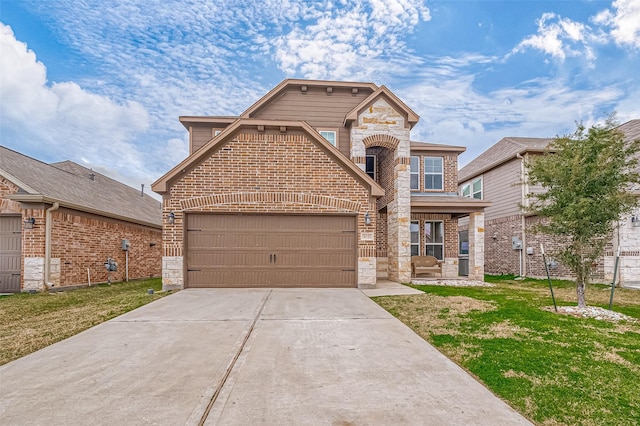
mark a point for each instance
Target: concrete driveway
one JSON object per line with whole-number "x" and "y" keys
{"x": 240, "y": 357}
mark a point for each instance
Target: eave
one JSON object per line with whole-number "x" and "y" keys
{"x": 38, "y": 198}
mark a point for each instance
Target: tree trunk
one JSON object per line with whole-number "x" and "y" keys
{"x": 580, "y": 287}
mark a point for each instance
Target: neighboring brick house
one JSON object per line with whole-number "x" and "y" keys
{"x": 495, "y": 176}
{"x": 59, "y": 223}
{"x": 316, "y": 184}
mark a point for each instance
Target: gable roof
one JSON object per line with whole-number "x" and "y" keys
{"x": 70, "y": 184}
{"x": 161, "y": 185}
{"x": 631, "y": 130}
{"x": 503, "y": 151}
{"x": 382, "y": 91}
{"x": 509, "y": 147}
{"x": 276, "y": 91}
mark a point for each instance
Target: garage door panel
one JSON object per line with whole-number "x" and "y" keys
{"x": 271, "y": 251}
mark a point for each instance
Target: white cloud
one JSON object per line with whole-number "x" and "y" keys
{"x": 344, "y": 43}
{"x": 62, "y": 119}
{"x": 624, "y": 22}
{"x": 559, "y": 37}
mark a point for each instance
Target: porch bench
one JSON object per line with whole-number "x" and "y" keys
{"x": 425, "y": 264}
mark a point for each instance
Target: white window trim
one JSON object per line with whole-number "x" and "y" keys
{"x": 417, "y": 173}
{"x": 418, "y": 243}
{"x": 335, "y": 135}
{"x": 433, "y": 174}
{"x": 434, "y": 244}
{"x": 469, "y": 187}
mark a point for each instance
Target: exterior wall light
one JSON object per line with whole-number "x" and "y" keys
{"x": 367, "y": 219}
{"x": 172, "y": 218}
{"x": 635, "y": 221}
{"x": 28, "y": 223}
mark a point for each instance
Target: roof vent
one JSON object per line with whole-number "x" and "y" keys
{"x": 92, "y": 175}
{"x": 142, "y": 190}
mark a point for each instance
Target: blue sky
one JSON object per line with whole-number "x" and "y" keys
{"x": 102, "y": 82}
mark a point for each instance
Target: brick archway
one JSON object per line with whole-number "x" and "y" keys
{"x": 382, "y": 140}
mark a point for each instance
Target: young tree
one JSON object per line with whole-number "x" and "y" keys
{"x": 587, "y": 177}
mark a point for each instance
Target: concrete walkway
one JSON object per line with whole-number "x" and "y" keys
{"x": 239, "y": 357}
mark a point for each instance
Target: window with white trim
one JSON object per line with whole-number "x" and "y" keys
{"x": 415, "y": 238}
{"x": 434, "y": 239}
{"x": 433, "y": 171}
{"x": 370, "y": 166}
{"x": 415, "y": 172}
{"x": 473, "y": 189}
{"x": 476, "y": 189}
{"x": 329, "y": 135}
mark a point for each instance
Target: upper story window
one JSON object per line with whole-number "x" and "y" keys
{"x": 415, "y": 172}
{"x": 329, "y": 135}
{"x": 216, "y": 132}
{"x": 370, "y": 166}
{"x": 433, "y": 171}
{"x": 473, "y": 189}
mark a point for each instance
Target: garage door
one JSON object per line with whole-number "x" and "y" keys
{"x": 10, "y": 246}
{"x": 271, "y": 251}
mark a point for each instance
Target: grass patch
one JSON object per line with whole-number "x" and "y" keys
{"x": 29, "y": 322}
{"x": 554, "y": 369}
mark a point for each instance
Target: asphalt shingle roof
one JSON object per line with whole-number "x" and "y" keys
{"x": 70, "y": 184}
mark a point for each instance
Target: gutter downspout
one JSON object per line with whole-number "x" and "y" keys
{"x": 525, "y": 190}
{"x": 47, "y": 246}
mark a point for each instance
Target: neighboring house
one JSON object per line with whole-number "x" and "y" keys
{"x": 510, "y": 246}
{"x": 59, "y": 223}
{"x": 316, "y": 184}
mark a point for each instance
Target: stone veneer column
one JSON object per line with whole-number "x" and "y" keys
{"x": 476, "y": 246}
{"x": 398, "y": 221}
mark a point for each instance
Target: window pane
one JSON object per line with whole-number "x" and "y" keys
{"x": 329, "y": 135}
{"x": 432, "y": 182}
{"x": 477, "y": 185}
{"x": 478, "y": 195}
{"x": 370, "y": 167}
{"x": 433, "y": 164}
{"x": 428, "y": 233}
{"x": 438, "y": 232}
{"x": 415, "y": 165}
{"x": 415, "y": 181}
{"x": 415, "y": 233}
{"x": 415, "y": 250}
{"x": 466, "y": 191}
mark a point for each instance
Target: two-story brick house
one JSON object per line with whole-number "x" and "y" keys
{"x": 316, "y": 184}
{"x": 510, "y": 245}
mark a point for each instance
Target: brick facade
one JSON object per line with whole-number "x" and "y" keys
{"x": 81, "y": 241}
{"x": 267, "y": 172}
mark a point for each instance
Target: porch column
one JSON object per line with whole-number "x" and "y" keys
{"x": 476, "y": 246}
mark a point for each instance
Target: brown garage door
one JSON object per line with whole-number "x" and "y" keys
{"x": 10, "y": 247}
{"x": 271, "y": 251}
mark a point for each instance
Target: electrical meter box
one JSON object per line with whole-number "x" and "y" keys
{"x": 516, "y": 243}
{"x": 125, "y": 245}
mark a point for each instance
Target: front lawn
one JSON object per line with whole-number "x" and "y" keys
{"x": 29, "y": 322}
{"x": 555, "y": 369}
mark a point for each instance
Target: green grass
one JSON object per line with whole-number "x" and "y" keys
{"x": 555, "y": 369}
{"x": 29, "y": 322}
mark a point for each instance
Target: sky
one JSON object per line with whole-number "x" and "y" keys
{"x": 103, "y": 82}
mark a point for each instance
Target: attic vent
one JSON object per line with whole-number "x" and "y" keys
{"x": 354, "y": 91}
{"x": 329, "y": 90}
{"x": 303, "y": 89}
